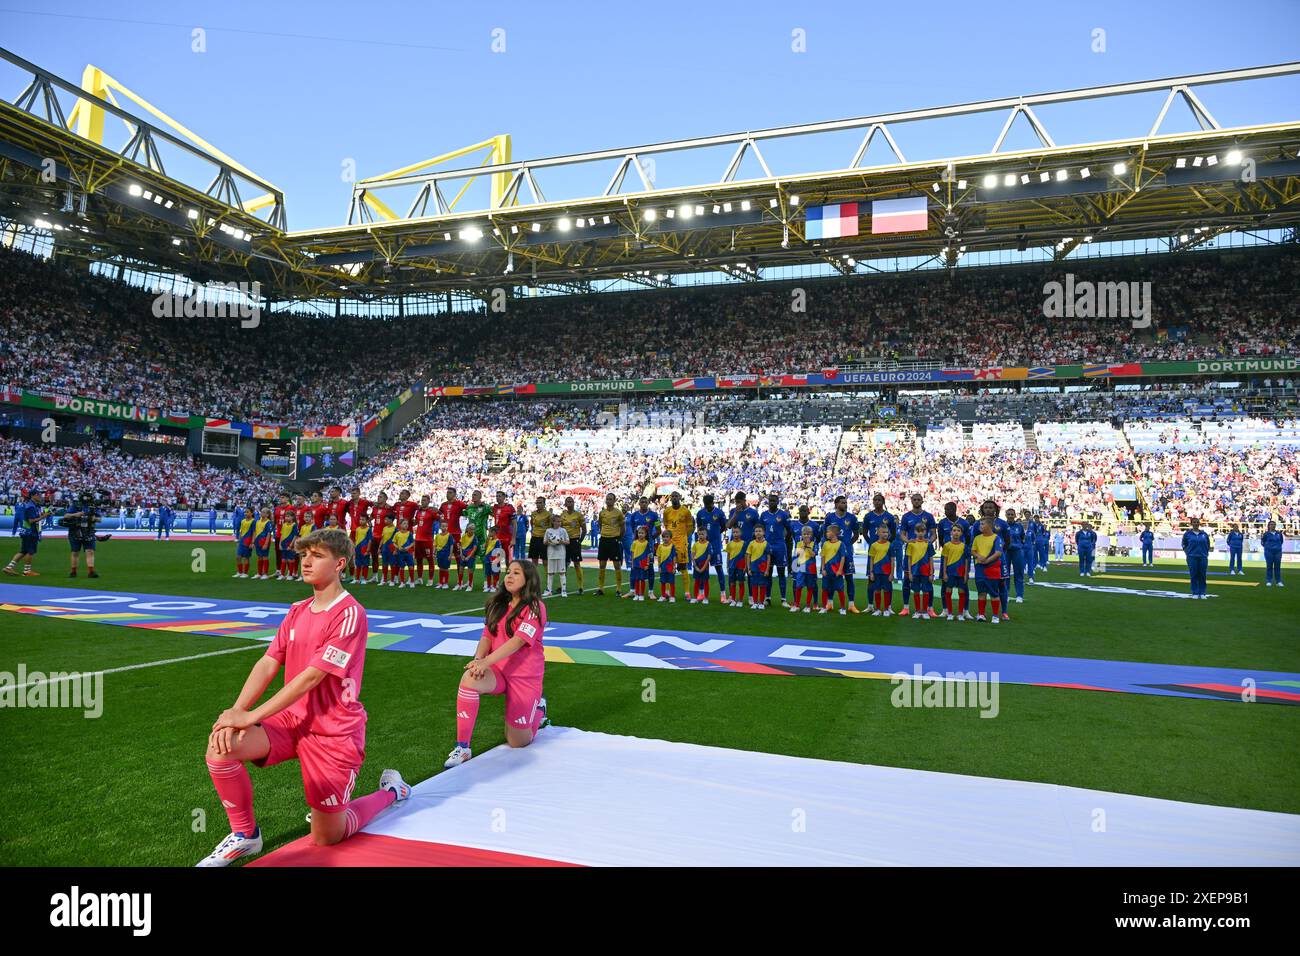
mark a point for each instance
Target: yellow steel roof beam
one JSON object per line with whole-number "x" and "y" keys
{"x": 87, "y": 119}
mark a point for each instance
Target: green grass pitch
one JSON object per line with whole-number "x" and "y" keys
{"x": 130, "y": 788}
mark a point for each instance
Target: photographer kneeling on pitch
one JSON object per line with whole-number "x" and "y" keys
{"x": 80, "y": 522}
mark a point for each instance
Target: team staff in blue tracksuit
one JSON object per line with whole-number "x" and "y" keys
{"x": 1196, "y": 546}
{"x": 1236, "y": 540}
{"x": 1085, "y": 543}
{"x": 1017, "y": 538}
{"x": 1272, "y": 540}
{"x": 1148, "y": 546}
{"x": 1044, "y": 544}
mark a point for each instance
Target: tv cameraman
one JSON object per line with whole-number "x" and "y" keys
{"x": 80, "y": 523}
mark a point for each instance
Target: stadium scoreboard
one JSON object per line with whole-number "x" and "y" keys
{"x": 278, "y": 457}
{"x": 324, "y": 458}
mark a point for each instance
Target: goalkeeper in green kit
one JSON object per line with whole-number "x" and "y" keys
{"x": 478, "y": 515}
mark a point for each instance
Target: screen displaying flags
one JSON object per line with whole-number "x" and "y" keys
{"x": 900, "y": 215}
{"x": 831, "y": 222}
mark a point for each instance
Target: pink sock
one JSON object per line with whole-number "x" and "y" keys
{"x": 235, "y": 789}
{"x": 466, "y": 714}
{"x": 364, "y": 809}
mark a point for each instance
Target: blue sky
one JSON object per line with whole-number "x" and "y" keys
{"x": 293, "y": 90}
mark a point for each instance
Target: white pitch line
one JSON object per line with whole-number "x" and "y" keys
{"x": 476, "y": 607}
{"x": 131, "y": 667}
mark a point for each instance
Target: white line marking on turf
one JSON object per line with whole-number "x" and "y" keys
{"x": 476, "y": 607}
{"x": 131, "y": 667}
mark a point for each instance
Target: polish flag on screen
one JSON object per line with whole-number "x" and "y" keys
{"x": 831, "y": 222}
{"x": 900, "y": 215}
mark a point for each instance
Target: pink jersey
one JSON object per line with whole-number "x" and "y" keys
{"x": 528, "y": 662}
{"x": 334, "y": 641}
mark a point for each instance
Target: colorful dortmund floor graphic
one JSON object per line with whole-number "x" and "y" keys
{"x": 428, "y": 633}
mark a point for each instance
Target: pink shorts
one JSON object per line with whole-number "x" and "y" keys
{"x": 523, "y": 697}
{"x": 329, "y": 764}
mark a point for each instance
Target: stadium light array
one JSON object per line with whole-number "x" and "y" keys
{"x": 961, "y": 184}
{"x": 1009, "y": 179}
{"x": 1233, "y": 158}
{"x": 1119, "y": 169}
{"x": 744, "y": 205}
{"x": 564, "y": 225}
{"x": 649, "y": 215}
{"x": 135, "y": 189}
{"x": 1085, "y": 172}
{"x": 990, "y": 181}
{"x": 1211, "y": 160}
{"x": 536, "y": 227}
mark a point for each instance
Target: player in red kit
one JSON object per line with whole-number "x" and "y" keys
{"x": 503, "y": 521}
{"x": 319, "y": 510}
{"x": 338, "y": 508}
{"x": 281, "y": 512}
{"x": 357, "y": 506}
{"x": 426, "y": 516}
{"x": 379, "y": 511}
{"x": 405, "y": 507}
{"x": 449, "y": 513}
{"x": 315, "y": 718}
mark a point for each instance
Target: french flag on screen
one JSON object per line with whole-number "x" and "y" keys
{"x": 900, "y": 215}
{"x": 831, "y": 222}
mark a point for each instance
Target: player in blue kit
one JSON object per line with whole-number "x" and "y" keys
{"x": 872, "y": 520}
{"x": 949, "y": 521}
{"x": 1196, "y": 546}
{"x": 1148, "y": 546}
{"x": 743, "y": 517}
{"x": 848, "y": 527}
{"x": 989, "y": 510}
{"x": 1085, "y": 544}
{"x": 776, "y": 530}
{"x": 1236, "y": 540}
{"x": 796, "y": 535}
{"x": 908, "y": 525}
{"x": 711, "y": 521}
{"x": 1271, "y": 541}
{"x": 1017, "y": 539}
{"x": 643, "y": 516}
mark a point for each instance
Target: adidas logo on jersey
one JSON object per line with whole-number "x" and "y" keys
{"x": 521, "y": 721}
{"x": 227, "y": 804}
{"x": 331, "y": 801}
{"x": 462, "y": 715}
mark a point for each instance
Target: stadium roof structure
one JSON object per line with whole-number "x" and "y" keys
{"x": 147, "y": 201}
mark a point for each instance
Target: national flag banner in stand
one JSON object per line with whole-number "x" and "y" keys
{"x": 266, "y": 431}
{"x": 900, "y": 215}
{"x": 11, "y": 395}
{"x": 1042, "y": 372}
{"x": 1106, "y": 371}
{"x": 831, "y": 222}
